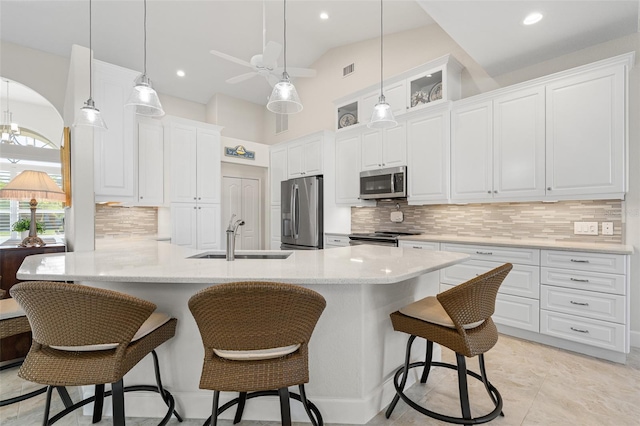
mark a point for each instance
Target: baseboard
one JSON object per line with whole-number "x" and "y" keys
{"x": 635, "y": 339}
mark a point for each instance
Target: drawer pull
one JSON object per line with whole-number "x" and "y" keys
{"x": 416, "y": 247}
{"x": 578, "y": 303}
{"x": 484, "y": 252}
{"x": 579, "y": 330}
{"x": 580, "y": 281}
{"x": 336, "y": 241}
{"x": 579, "y": 261}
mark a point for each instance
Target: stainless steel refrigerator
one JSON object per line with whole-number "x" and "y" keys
{"x": 301, "y": 214}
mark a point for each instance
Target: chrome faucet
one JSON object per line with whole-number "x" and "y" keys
{"x": 231, "y": 237}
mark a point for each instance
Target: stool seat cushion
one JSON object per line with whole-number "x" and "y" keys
{"x": 9, "y": 308}
{"x": 430, "y": 310}
{"x": 258, "y": 354}
{"x": 155, "y": 321}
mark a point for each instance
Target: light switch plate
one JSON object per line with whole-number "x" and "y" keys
{"x": 585, "y": 228}
{"x": 607, "y": 228}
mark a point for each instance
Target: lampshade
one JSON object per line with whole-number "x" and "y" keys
{"x": 382, "y": 116}
{"x": 144, "y": 99}
{"x": 32, "y": 184}
{"x": 90, "y": 116}
{"x": 284, "y": 97}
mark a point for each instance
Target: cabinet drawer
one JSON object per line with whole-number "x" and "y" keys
{"x": 594, "y": 281}
{"x": 514, "y": 311}
{"x": 421, "y": 245}
{"x": 603, "y": 306}
{"x": 523, "y": 280}
{"x": 496, "y": 254}
{"x": 332, "y": 240}
{"x": 595, "y": 262}
{"x": 592, "y": 332}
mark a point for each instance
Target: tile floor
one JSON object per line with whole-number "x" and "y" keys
{"x": 540, "y": 386}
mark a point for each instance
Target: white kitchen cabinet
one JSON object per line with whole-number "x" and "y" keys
{"x": 150, "y": 162}
{"x": 428, "y": 157}
{"x": 347, "y": 170}
{"x": 277, "y": 171}
{"x": 585, "y": 135}
{"x": 395, "y": 95}
{"x": 335, "y": 240}
{"x": 420, "y": 245}
{"x": 304, "y": 157}
{"x": 195, "y": 225}
{"x": 116, "y": 150}
{"x": 382, "y": 148}
{"x": 275, "y": 228}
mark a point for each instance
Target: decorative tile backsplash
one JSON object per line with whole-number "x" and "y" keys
{"x": 548, "y": 221}
{"x": 122, "y": 222}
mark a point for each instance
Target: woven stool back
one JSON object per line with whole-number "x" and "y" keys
{"x": 63, "y": 314}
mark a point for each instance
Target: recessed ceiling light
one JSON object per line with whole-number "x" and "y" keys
{"x": 532, "y": 18}
{"x": 180, "y": 73}
{"x": 324, "y": 15}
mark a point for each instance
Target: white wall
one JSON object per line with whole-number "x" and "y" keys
{"x": 182, "y": 108}
{"x": 45, "y": 120}
{"x": 240, "y": 119}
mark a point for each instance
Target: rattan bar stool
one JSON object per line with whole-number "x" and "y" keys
{"x": 90, "y": 336}
{"x": 459, "y": 319}
{"x": 255, "y": 337}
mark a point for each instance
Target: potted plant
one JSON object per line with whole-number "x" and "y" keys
{"x": 23, "y": 225}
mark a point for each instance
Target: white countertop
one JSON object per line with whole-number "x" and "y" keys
{"x": 539, "y": 244}
{"x": 161, "y": 262}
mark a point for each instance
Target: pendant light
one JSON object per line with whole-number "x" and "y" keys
{"x": 143, "y": 98}
{"x": 284, "y": 98}
{"x": 9, "y": 129}
{"x": 382, "y": 116}
{"x": 89, "y": 114}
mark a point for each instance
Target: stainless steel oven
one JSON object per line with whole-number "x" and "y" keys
{"x": 383, "y": 183}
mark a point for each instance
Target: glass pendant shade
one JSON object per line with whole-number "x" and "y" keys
{"x": 144, "y": 99}
{"x": 284, "y": 98}
{"x": 90, "y": 116}
{"x": 382, "y": 116}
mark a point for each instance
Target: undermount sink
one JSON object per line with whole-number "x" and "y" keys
{"x": 209, "y": 255}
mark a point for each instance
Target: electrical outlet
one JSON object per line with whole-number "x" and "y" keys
{"x": 607, "y": 228}
{"x": 585, "y": 228}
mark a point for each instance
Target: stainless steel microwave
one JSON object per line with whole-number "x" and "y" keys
{"x": 383, "y": 183}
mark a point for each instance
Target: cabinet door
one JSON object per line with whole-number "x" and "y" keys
{"x": 347, "y": 171}
{"x": 208, "y": 226}
{"x": 586, "y": 134}
{"x": 277, "y": 172}
{"x": 471, "y": 156}
{"x": 428, "y": 168}
{"x": 312, "y": 156}
{"x": 183, "y": 163}
{"x": 208, "y": 166}
{"x": 183, "y": 224}
{"x": 518, "y": 145}
{"x": 150, "y": 164}
{"x": 371, "y": 149}
{"x": 365, "y": 106}
{"x": 274, "y": 228}
{"x": 116, "y": 152}
{"x": 295, "y": 159}
{"x": 396, "y": 95}
{"x": 394, "y": 146}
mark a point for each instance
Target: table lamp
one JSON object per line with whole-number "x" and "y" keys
{"x": 27, "y": 185}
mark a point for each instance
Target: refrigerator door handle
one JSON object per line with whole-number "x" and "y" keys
{"x": 295, "y": 211}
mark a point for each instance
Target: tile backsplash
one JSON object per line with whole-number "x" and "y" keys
{"x": 122, "y": 222}
{"x": 548, "y": 221}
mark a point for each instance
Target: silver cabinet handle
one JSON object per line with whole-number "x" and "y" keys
{"x": 548, "y": 188}
{"x": 488, "y": 253}
{"x": 577, "y": 280}
{"x": 416, "y": 247}
{"x": 579, "y": 261}
{"x": 579, "y": 330}
{"x": 495, "y": 192}
{"x": 488, "y": 192}
{"x": 578, "y": 303}
{"x": 141, "y": 197}
{"x": 194, "y": 198}
{"x": 336, "y": 241}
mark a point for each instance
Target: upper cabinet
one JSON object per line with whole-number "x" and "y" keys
{"x": 304, "y": 157}
{"x": 150, "y": 162}
{"x": 586, "y": 134}
{"x": 382, "y": 148}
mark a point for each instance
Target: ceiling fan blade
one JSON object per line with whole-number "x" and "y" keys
{"x": 271, "y": 53}
{"x": 273, "y": 79}
{"x": 241, "y": 77}
{"x": 298, "y": 72}
{"x": 231, "y": 58}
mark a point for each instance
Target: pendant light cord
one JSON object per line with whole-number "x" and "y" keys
{"x": 90, "y": 53}
{"x": 145, "y": 38}
{"x": 381, "y": 41}
{"x": 285, "y": 36}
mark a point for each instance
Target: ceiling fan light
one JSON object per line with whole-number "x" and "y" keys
{"x": 90, "y": 116}
{"x": 144, "y": 99}
{"x": 382, "y": 116}
{"x": 284, "y": 98}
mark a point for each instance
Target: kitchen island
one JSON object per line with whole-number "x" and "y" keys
{"x": 352, "y": 354}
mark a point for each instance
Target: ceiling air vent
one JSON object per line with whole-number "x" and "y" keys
{"x": 348, "y": 70}
{"x": 282, "y": 123}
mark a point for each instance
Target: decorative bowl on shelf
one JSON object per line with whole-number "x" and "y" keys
{"x": 419, "y": 97}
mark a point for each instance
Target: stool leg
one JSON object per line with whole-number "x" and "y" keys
{"x": 161, "y": 390}
{"x": 483, "y": 373}
{"x": 462, "y": 386}
{"x": 64, "y": 396}
{"x": 307, "y": 408}
{"x": 47, "y": 406}
{"x": 407, "y": 358}
{"x": 214, "y": 408}
{"x": 242, "y": 399}
{"x": 285, "y": 409}
{"x": 98, "y": 404}
{"x": 427, "y": 362}
{"x": 117, "y": 398}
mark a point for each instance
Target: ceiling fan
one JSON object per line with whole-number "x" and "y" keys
{"x": 265, "y": 64}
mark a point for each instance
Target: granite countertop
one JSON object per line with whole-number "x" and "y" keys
{"x": 161, "y": 262}
{"x": 538, "y": 244}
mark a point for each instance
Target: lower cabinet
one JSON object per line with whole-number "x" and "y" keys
{"x": 335, "y": 240}
{"x": 196, "y": 225}
{"x": 274, "y": 228}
